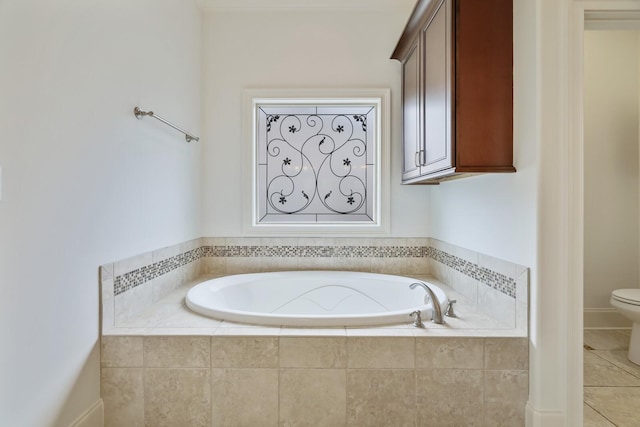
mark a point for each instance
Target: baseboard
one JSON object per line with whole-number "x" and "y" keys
{"x": 535, "y": 418}
{"x": 595, "y": 318}
{"x": 92, "y": 417}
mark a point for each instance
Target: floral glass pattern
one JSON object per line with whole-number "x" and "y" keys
{"x": 316, "y": 164}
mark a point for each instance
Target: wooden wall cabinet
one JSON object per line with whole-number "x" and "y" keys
{"x": 457, "y": 89}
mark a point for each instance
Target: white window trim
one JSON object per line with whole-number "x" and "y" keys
{"x": 254, "y": 97}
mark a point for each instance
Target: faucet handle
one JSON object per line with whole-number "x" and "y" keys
{"x": 449, "y": 311}
{"x": 417, "y": 320}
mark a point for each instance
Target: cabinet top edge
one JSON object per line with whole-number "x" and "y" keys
{"x": 419, "y": 15}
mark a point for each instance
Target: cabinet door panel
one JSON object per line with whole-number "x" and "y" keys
{"x": 437, "y": 91}
{"x": 411, "y": 115}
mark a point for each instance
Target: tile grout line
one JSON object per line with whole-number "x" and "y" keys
{"x": 602, "y": 415}
{"x": 615, "y": 365}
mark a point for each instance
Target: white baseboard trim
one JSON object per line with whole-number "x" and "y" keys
{"x": 92, "y": 417}
{"x": 595, "y": 318}
{"x": 535, "y": 418}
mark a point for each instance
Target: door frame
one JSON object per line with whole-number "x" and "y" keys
{"x": 612, "y": 14}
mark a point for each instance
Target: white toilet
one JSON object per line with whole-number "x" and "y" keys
{"x": 627, "y": 301}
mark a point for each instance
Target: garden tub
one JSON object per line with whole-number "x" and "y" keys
{"x": 313, "y": 298}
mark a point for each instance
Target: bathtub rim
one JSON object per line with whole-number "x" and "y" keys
{"x": 319, "y": 321}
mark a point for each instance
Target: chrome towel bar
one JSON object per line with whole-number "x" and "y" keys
{"x": 140, "y": 114}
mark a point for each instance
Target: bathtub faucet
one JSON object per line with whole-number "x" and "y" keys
{"x": 437, "y": 311}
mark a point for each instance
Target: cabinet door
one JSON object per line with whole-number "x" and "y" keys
{"x": 411, "y": 115}
{"x": 437, "y": 90}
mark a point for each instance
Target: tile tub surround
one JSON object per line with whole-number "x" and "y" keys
{"x": 499, "y": 288}
{"x": 314, "y": 380}
{"x": 131, "y": 285}
{"x": 165, "y": 365}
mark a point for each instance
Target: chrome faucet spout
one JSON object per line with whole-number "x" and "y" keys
{"x": 437, "y": 311}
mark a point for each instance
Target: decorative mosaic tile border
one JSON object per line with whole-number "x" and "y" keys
{"x": 137, "y": 277}
{"x": 495, "y": 280}
{"x": 316, "y": 251}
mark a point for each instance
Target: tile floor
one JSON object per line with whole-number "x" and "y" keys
{"x": 611, "y": 381}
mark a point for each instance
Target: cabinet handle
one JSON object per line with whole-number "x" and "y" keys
{"x": 423, "y": 157}
{"x": 416, "y": 160}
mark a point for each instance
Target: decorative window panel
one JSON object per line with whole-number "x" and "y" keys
{"x": 317, "y": 163}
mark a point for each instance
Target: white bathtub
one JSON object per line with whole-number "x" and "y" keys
{"x": 312, "y": 298}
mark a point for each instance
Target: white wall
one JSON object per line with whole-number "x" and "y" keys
{"x": 612, "y": 85}
{"x": 496, "y": 214}
{"x": 83, "y": 181}
{"x": 306, "y": 47}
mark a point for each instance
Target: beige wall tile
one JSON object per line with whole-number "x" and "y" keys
{"x": 391, "y": 265}
{"x": 522, "y": 287}
{"x": 506, "y": 353}
{"x": 214, "y": 265}
{"x": 317, "y": 241}
{"x": 105, "y": 272}
{"x": 354, "y": 264}
{"x": 317, "y": 263}
{"x": 107, "y": 289}
{"x": 497, "y": 305}
{"x": 188, "y": 273}
{"x": 380, "y": 397}
{"x": 506, "y": 394}
{"x": 449, "y": 352}
{"x": 417, "y": 267}
{"x": 418, "y": 241}
{"x": 279, "y": 263}
{"x": 280, "y": 241}
{"x": 121, "y": 352}
{"x": 467, "y": 286}
{"x": 177, "y": 397}
{"x": 191, "y": 244}
{"x": 107, "y": 313}
{"x": 465, "y": 254}
{"x": 313, "y": 397}
{"x": 244, "y": 241}
{"x": 167, "y": 252}
{"x": 398, "y": 330}
{"x": 379, "y": 352}
{"x": 244, "y": 397}
{"x": 132, "y": 302}
{"x": 165, "y": 284}
{"x": 313, "y": 352}
{"x": 213, "y": 241}
{"x": 441, "y": 245}
{"x": 522, "y": 317}
{"x": 498, "y": 265}
{"x": 440, "y": 271}
{"x": 291, "y": 331}
{"x": 357, "y": 241}
{"x": 242, "y": 265}
{"x": 449, "y": 397}
{"x": 122, "y": 391}
{"x": 244, "y": 352}
{"x": 129, "y": 264}
{"x": 177, "y": 352}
